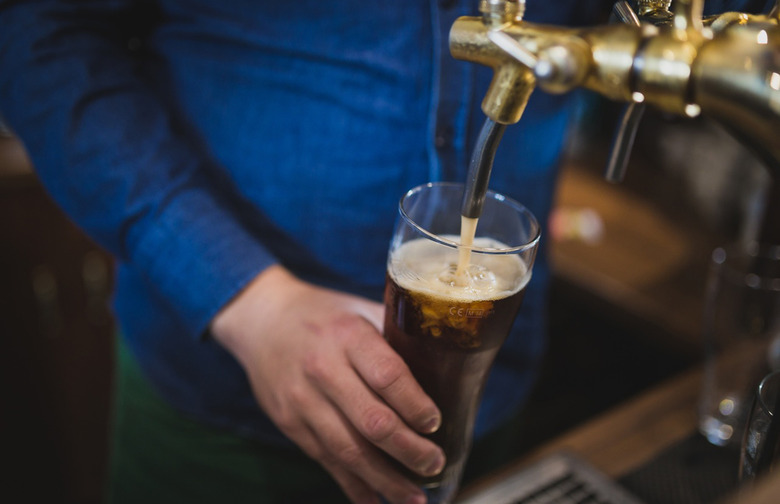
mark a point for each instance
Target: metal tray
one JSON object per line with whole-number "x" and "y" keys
{"x": 561, "y": 478}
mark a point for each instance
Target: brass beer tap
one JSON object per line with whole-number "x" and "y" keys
{"x": 725, "y": 67}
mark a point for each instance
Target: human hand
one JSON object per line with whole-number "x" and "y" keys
{"x": 321, "y": 370}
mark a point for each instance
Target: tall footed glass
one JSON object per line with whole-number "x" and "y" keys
{"x": 450, "y": 307}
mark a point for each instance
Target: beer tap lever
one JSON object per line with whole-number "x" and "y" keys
{"x": 625, "y": 13}
{"x": 623, "y": 140}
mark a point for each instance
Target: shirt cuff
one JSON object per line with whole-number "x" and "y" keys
{"x": 199, "y": 256}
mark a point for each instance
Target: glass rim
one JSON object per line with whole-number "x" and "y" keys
{"x": 764, "y": 383}
{"x": 522, "y": 209}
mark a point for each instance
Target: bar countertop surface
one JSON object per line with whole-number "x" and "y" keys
{"x": 633, "y": 434}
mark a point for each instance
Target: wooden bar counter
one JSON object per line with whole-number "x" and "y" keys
{"x": 633, "y": 434}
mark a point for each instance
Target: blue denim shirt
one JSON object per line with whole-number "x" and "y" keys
{"x": 202, "y": 141}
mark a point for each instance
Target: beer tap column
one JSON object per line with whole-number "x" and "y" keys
{"x": 516, "y": 70}
{"x": 525, "y": 55}
{"x": 725, "y": 67}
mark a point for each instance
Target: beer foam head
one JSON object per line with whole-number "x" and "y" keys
{"x": 423, "y": 265}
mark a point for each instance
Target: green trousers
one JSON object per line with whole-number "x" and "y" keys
{"x": 161, "y": 456}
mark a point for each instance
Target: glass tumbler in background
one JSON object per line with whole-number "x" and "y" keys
{"x": 741, "y": 336}
{"x": 449, "y": 327}
{"x": 761, "y": 441}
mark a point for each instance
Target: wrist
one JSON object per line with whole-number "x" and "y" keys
{"x": 256, "y": 301}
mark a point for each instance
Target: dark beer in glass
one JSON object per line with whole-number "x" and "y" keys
{"x": 447, "y": 318}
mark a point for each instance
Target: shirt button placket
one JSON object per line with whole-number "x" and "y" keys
{"x": 452, "y": 95}
{"x": 444, "y": 135}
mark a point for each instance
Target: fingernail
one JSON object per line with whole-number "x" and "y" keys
{"x": 416, "y": 498}
{"x": 432, "y": 425}
{"x": 436, "y": 465}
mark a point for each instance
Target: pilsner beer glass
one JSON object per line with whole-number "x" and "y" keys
{"x": 449, "y": 308}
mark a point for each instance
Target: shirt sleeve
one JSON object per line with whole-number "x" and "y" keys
{"x": 113, "y": 154}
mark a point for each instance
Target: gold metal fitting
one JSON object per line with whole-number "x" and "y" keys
{"x": 663, "y": 68}
{"x": 512, "y": 82}
{"x": 683, "y": 67}
{"x": 524, "y": 55}
{"x": 649, "y": 7}
{"x": 500, "y": 12}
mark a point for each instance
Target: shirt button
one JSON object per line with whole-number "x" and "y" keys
{"x": 443, "y": 137}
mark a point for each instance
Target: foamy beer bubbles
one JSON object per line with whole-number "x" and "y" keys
{"x": 451, "y": 306}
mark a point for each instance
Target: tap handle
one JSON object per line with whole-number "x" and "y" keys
{"x": 513, "y": 48}
{"x": 623, "y": 142}
{"x": 623, "y": 139}
{"x": 625, "y": 14}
